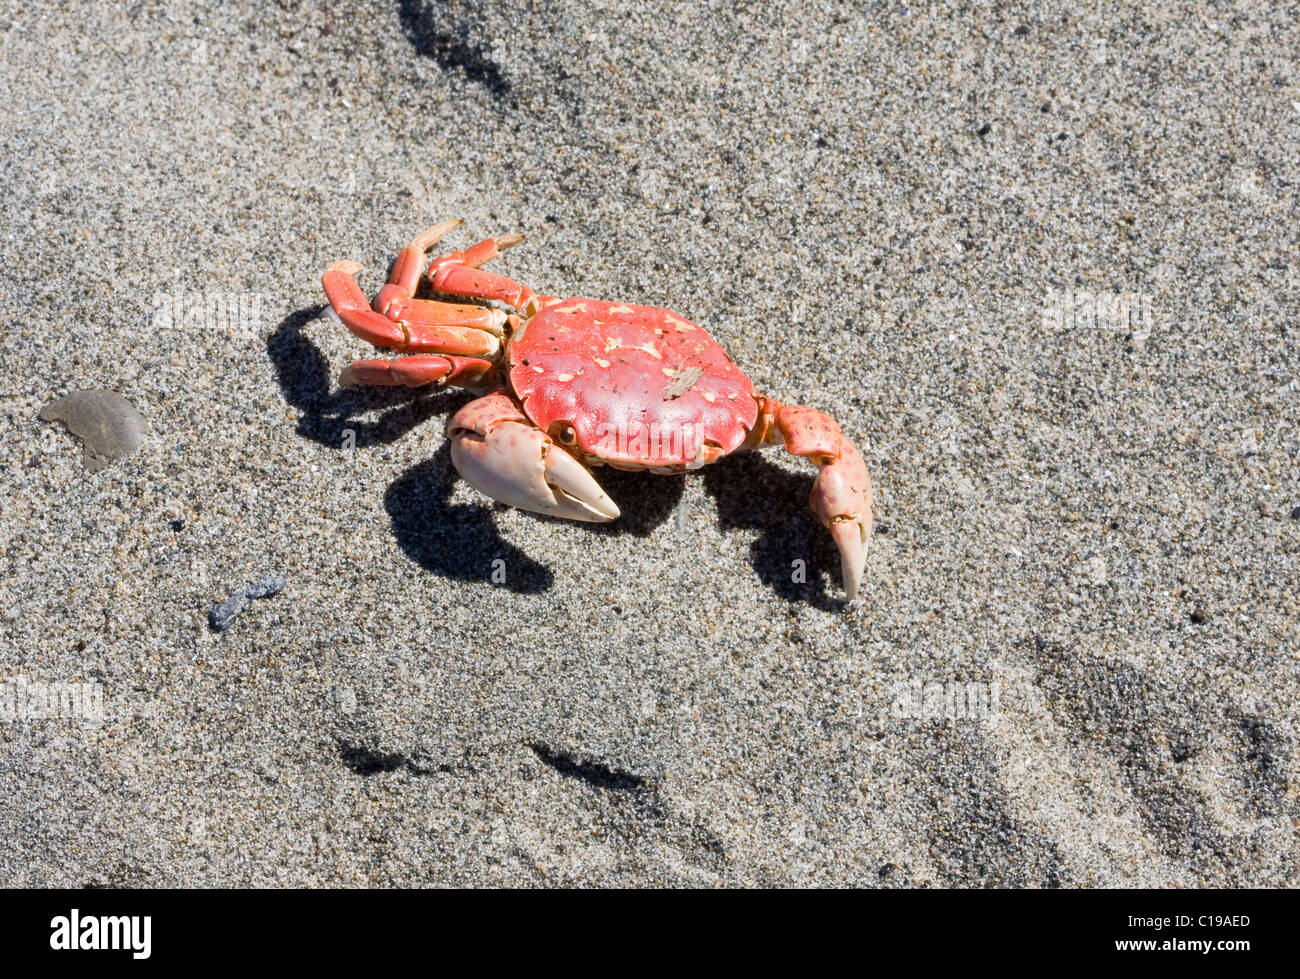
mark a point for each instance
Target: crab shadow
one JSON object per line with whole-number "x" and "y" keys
{"x": 755, "y": 494}
{"x": 456, "y": 541}
{"x": 332, "y": 417}
{"x": 645, "y": 500}
{"x": 430, "y": 28}
{"x": 434, "y": 533}
{"x": 451, "y": 540}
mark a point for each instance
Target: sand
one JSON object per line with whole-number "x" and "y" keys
{"x": 1040, "y": 266}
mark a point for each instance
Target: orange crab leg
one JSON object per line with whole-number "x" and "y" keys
{"x": 408, "y": 265}
{"x": 461, "y": 280}
{"x": 419, "y": 369}
{"x": 841, "y": 496}
{"x": 354, "y": 310}
{"x": 459, "y": 274}
{"x": 413, "y": 325}
{"x": 421, "y": 313}
{"x": 399, "y": 321}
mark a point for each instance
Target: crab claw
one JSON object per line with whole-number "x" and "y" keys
{"x": 518, "y": 464}
{"x": 851, "y": 539}
{"x": 841, "y": 498}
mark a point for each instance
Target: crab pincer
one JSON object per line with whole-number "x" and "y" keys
{"x": 841, "y": 499}
{"x": 841, "y": 496}
{"x": 500, "y": 453}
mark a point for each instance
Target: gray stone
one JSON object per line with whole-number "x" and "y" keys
{"x": 108, "y": 425}
{"x": 224, "y": 613}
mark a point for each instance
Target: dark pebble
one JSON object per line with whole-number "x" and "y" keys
{"x": 266, "y": 586}
{"x": 224, "y": 613}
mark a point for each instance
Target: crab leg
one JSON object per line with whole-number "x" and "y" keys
{"x": 418, "y": 369}
{"x": 459, "y": 274}
{"x": 350, "y": 302}
{"x": 414, "y": 325}
{"x": 405, "y": 274}
{"x": 502, "y": 454}
{"x": 354, "y": 310}
{"x": 398, "y": 320}
{"x": 415, "y": 314}
{"x": 841, "y": 496}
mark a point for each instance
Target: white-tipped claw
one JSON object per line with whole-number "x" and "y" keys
{"x": 519, "y": 465}
{"x": 431, "y": 235}
{"x": 575, "y": 488}
{"x": 851, "y": 539}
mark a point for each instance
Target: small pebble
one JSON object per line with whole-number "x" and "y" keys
{"x": 224, "y": 613}
{"x": 107, "y": 424}
{"x": 266, "y": 586}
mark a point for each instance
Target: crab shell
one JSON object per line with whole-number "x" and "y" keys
{"x": 634, "y": 387}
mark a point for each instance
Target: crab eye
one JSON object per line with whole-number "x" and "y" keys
{"x": 567, "y": 435}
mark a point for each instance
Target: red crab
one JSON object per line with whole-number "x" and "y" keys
{"x": 568, "y": 384}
